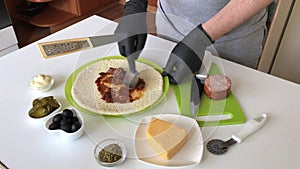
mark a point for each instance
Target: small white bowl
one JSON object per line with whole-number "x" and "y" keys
{"x": 59, "y": 133}
{"x": 48, "y": 116}
{"x": 105, "y": 143}
{"x": 43, "y": 88}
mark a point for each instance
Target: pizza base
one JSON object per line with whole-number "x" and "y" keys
{"x": 87, "y": 96}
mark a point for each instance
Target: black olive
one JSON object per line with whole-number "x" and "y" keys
{"x": 65, "y": 121}
{"x": 54, "y": 126}
{"x": 57, "y": 118}
{"x": 67, "y": 113}
{"x": 75, "y": 119}
{"x": 66, "y": 127}
{"x": 75, "y": 126}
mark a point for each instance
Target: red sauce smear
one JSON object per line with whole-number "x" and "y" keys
{"x": 112, "y": 88}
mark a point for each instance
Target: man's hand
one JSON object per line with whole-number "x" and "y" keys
{"x": 186, "y": 57}
{"x": 132, "y": 29}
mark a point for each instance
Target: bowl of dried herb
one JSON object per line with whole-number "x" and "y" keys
{"x": 110, "y": 152}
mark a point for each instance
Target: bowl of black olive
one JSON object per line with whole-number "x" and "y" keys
{"x": 110, "y": 152}
{"x": 67, "y": 124}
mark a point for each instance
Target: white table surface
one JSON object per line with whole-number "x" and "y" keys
{"x": 24, "y": 144}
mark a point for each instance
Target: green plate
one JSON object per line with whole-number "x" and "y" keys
{"x": 72, "y": 77}
{"x": 209, "y": 107}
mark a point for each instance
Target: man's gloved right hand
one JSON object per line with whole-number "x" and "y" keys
{"x": 186, "y": 57}
{"x": 132, "y": 29}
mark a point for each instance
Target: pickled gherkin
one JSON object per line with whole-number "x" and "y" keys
{"x": 43, "y": 107}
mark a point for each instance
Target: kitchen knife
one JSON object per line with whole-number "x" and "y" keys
{"x": 131, "y": 77}
{"x": 62, "y": 47}
{"x": 3, "y": 166}
{"x": 197, "y": 87}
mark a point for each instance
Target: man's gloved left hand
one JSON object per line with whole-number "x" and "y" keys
{"x": 186, "y": 57}
{"x": 132, "y": 29}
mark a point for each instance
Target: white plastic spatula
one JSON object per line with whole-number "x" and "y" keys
{"x": 219, "y": 147}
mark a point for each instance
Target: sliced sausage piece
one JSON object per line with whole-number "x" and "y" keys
{"x": 217, "y": 87}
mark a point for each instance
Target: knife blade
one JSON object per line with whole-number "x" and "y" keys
{"x": 62, "y": 47}
{"x": 197, "y": 87}
{"x": 131, "y": 77}
{"x": 2, "y": 165}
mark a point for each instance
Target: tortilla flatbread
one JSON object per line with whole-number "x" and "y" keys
{"x": 86, "y": 94}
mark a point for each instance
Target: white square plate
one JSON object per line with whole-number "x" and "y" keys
{"x": 189, "y": 155}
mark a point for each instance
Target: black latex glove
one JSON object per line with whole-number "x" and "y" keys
{"x": 186, "y": 57}
{"x": 132, "y": 29}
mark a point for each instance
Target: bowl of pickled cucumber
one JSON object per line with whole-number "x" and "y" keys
{"x": 43, "y": 107}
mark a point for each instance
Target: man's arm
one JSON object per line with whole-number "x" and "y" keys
{"x": 232, "y": 15}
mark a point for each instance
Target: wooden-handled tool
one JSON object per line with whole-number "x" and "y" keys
{"x": 62, "y": 47}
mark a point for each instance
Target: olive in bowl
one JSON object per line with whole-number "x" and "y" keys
{"x": 110, "y": 152}
{"x": 67, "y": 124}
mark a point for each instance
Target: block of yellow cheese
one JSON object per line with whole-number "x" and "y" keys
{"x": 165, "y": 138}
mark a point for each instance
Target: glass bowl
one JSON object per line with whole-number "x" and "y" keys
{"x": 108, "y": 147}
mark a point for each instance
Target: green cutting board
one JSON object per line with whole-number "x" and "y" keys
{"x": 209, "y": 107}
